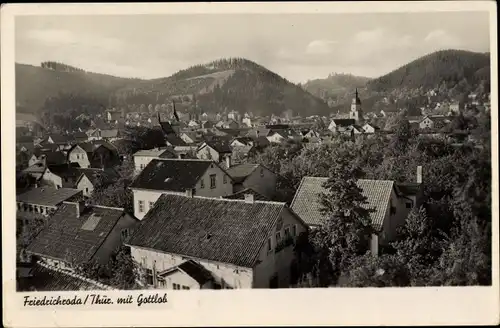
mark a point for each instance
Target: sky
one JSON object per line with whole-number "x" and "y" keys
{"x": 299, "y": 47}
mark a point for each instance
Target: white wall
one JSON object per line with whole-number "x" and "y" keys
{"x": 146, "y": 196}
{"x": 140, "y": 162}
{"x": 275, "y": 138}
{"x": 208, "y": 153}
{"x": 223, "y": 273}
{"x": 180, "y": 278}
{"x": 85, "y": 186}
{"x": 78, "y": 155}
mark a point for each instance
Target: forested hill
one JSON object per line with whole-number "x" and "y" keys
{"x": 335, "y": 84}
{"x": 35, "y": 84}
{"x": 447, "y": 66}
{"x": 227, "y": 84}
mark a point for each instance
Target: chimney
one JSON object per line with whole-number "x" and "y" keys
{"x": 189, "y": 193}
{"x": 228, "y": 161}
{"x": 419, "y": 174}
{"x": 249, "y": 198}
{"x": 80, "y": 207}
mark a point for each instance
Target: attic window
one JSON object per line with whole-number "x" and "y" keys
{"x": 91, "y": 223}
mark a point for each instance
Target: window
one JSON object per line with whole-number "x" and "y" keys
{"x": 278, "y": 237}
{"x": 408, "y": 205}
{"x": 269, "y": 245}
{"x": 125, "y": 234}
{"x": 261, "y": 173}
{"x": 176, "y": 286}
{"x": 224, "y": 179}
{"x": 151, "y": 204}
{"x": 87, "y": 190}
{"x": 202, "y": 183}
{"x": 287, "y": 232}
{"x": 294, "y": 230}
{"x": 141, "y": 206}
{"x": 77, "y": 156}
{"x": 212, "y": 181}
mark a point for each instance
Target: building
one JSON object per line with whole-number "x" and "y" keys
{"x": 61, "y": 175}
{"x": 189, "y": 137}
{"x": 216, "y": 149}
{"x": 173, "y": 140}
{"x": 242, "y": 142}
{"x": 77, "y": 154}
{"x": 143, "y": 157}
{"x": 45, "y": 200}
{"x": 91, "y": 179}
{"x": 356, "y": 112}
{"x": 255, "y": 177}
{"x": 370, "y": 128}
{"x": 80, "y": 234}
{"x": 176, "y": 176}
{"x": 340, "y": 125}
{"x": 434, "y": 122}
{"x": 390, "y": 203}
{"x": 224, "y": 243}
{"x": 280, "y": 136}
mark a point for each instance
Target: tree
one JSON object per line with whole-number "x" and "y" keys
{"x": 347, "y": 230}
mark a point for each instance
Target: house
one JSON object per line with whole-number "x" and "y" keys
{"x": 174, "y": 176}
{"x": 389, "y": 111}
{"x": 434, "y": 122}
{"x": 231, "y": 124}
{"x": 340, "y": 125}
{"x": 390, "y": 204}
{"x": 216, "y": 149}
{"x": 45, "y": 200}
{"x": 143, "y": 157}
{"x": 245, "y": 192}
{"x": 370, "y": 128}
{"x": 233, "y": 115}
{"x": 247, "y": 121}
{"x": 255, "y": 177}
{"x": 77, "y": 154}
{"x": 113, "y": 116}
{"x": 207, "y": 125}
{"x": 80, "y": 234}
{"x": 242, "y": 142}
{"x": 258, "y": 132}
{"x": 104, "y": 155}
{"x": 189, "y": 137}
{"x": 311, "y": 134}
{"x": 25, "y": 143}
{"x": 280, "y": 136}
{"x": 79, "y": 136}
{"x": 61, "y": 175}
{"x": 91, "y": 179}
{"x": 228, "y": 243}
{"x": 42, "y": 277}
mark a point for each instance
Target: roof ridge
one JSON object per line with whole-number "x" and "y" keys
{"x": 221, "y": 198}
{"x": 110, "y": 207}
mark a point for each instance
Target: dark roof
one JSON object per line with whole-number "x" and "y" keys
{"x": 60, "y": 139}
{"x": 194, "y": 270}
{"x": 75, "y": 239}
{"x": 245, "y": 140}
{"x": 221, "y": 145}
{"x": 241, "y": 171}
{"x": 171, "y": 174}
{"x": 53, "y": 157}
{"x": 46, "y": 278}
{"x": 65, "y": 170}
{"x": 167, "y": 128}
{"x": 344, "y": 121}
{"x": 47, "y": 196}
{"x": 409, "y": 188}
{"x": 174, "y": 140}
{"x": 98, "y": 177}
{"x": 227, "y": 231}
{"x": 306, "y": 201}
{"x": 241, "y": 195}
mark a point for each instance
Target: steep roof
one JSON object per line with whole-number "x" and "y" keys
{"x": 344, "y": 121}
{"x": 221, "y": 145}
{"x": 65, "y": 170}
{"x": 175, "y": 140}
{"x": 241, "y": 195}
{"x": 171, "y": 174}
{"x": 226, "y": 231}
{"x": 98, "y": 177}
{"x": 193, "y": 269}
{"x": 241, "y": 171}
{"x": 75, "y": 239}
{"x": 306, "y": 201}
{"x": 47, "y": 196}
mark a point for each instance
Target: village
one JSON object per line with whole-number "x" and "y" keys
{"x": 202, "y": 215}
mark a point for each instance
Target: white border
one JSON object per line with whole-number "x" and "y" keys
{"x": 389, "y": 306}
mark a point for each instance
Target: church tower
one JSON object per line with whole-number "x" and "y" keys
{"x": 356, "y": 113}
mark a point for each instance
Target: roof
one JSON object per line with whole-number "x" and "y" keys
{"x": 167, "y": 128}
{"x": 75, "y": 239}
{"x": 47, "y": 196}
{"x": 25, "y": 139}
{"x": 226, "y": 231}
{"x": 98, "y": 177}
{"x": 409, "y": 188}
{"x": 35, "y": 168}
{"x": 306, "y": 201}
{"x": 222, "y": 146}
{"x": 343, "y": 121}
{"x": 248, "y": 141}
{"x": 113, "y": 133}
{"x": 59, "y": 138}
{"x": 65, "y": 170}
{"x": 241, "y": 195}
{"x": 47, "y": 278}
{"x": 194, "y": 270}
{"x": 175, "y": 140}
{"x": 155, "y": 152}
{"x": 171, "y": 174}
{"x": 53, "y": 157}
{"x": 258, "y": 132}
{"x": 241, "y": 171}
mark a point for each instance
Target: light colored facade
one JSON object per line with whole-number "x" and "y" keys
{"x": 79, "y": 155}
{"x": 85, "y": 185}
{"x": 208, "y": 153}
{"x": 273, "y": 268}
{"x": 276, "y": 138}
{"x": 144, "y": 200}
{"x": 426, "y": 123}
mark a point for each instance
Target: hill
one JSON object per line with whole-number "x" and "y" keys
{"x": 35, "y": 84}
{"x": 227, "y": 84}
{"x": 446, "y": 66}
{"x": 334, "y": 85}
